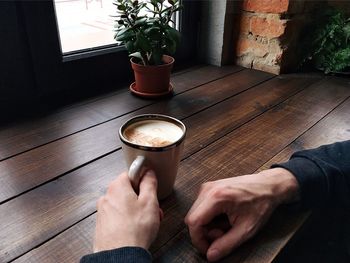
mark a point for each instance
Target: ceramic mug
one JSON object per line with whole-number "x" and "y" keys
{"x": 143, "y": 149}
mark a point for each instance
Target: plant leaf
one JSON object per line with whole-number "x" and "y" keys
{"x": 143, "y": 42}
{"x": 157, "y": 56}
{"x": 153, "y": 33}
{"x": 125, "y": 35}
{"x": 136, "y": 55}
{"x": 170, "y": 46}
{"x": 130, "y": 46}
{"x": 173, "y": 34}
{"x": 346, "y": 30}
{"x": 140, "y": 21}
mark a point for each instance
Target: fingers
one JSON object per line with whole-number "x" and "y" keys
{"x": 224, "y": 244}
{"x": 121, "y": 183}
{"x": 199, "y": 238}
{"x": 221, "y": 222}
{"x": 215, "y": 234}
{"x": 197, "y": 220}
{"x": 202, "y": 195}
{"x": 203, "y": 214}
{"x": 148, "y": 186}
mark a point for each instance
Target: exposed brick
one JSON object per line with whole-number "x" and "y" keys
{"x": 245, "y": 61}
{"x": 266, "y": 6}
{"x": 261, "y": 39}
{"x": 268, "y": 27}
{"x": 275, "y": 46}
{"x": 269, "y": 31}
{"x": 245, "y": 45}
{"x": 260, "y": 65}
{"x": 245, "y": 23}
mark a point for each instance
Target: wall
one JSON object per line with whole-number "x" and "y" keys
{"x": 342, "y": 4}
{"x": 16, "y": 74}
{"x": 261, "y": 28}
{"x": 212, "y": 32}
{"x": 267, "y": 32}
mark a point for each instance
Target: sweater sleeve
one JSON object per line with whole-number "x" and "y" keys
{"x": 119, "y": 255}
{"x": 323, "y": 174}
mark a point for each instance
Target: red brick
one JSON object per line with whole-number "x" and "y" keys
{"x": 266, "y": 6}
{"x": 245, "y": 45}
{"x": 267, "y": 27}
{"x": 245, "y": 23}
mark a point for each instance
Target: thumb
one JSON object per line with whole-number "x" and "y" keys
{"x": 223, "y": 245}
{"x": 148, "y": 185}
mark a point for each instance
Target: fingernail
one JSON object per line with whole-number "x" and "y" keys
{"x": 213, "y": 254}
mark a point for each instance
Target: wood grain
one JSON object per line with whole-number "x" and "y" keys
{"x": 236, "y": 111}
{"x": 32, "y": 168}
{"x": 100, "y": 177}
{"x": 244, "y": 149}
{"x": 32, "y": 133}
{"x": 247, "y": 148}
{"x": 283, "y": 225}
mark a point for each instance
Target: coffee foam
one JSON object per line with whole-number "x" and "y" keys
{"x": 153, "y": 133}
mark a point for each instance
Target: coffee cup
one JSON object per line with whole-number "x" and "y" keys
{"x": 153, "y": 141}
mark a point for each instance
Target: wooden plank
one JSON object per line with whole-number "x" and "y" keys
{"x": 282, "y": 226}
{"x": 108, "y": 174}
{"x": 35, "y": 132}
{"x": 334, "y": 127}
{"x": 198, "y": 170}
{"x": 264, "y": 247}
{"x": 246, "y": 149}
{"x": 39, "y": 165}
{"x": 251, "y": 102}
{"x": 265, "y": 95}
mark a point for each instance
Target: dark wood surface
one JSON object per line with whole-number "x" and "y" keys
{"x": 54, "y": 167}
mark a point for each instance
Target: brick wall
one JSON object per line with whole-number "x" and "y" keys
{"x": 261, "y": 26}
{"x": 267, "y": 32}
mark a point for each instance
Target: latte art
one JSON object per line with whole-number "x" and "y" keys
{"x": 153, "y": 133}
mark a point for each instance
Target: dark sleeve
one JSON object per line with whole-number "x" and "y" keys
{"x": 119, "y": 255}
{"x": 323, "y": 174}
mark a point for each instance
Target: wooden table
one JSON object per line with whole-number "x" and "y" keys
{"x": 239, "y": 121}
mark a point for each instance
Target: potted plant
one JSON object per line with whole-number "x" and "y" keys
{"x": 326, "y": 44}
{"x": 144, "y": 28}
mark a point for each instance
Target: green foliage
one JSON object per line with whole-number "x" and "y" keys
{"x": 327, "y": 41}
{"x": 147, "y": 37}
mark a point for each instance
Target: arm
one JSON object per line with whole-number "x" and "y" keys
{"x": 120, "y": 255}
{"x": 126, "y": 223}
{"x": 246, "y": 202}
{"x": 323, "y": 174}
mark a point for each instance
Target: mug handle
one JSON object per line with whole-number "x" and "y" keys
{"x": 135, "y": 172}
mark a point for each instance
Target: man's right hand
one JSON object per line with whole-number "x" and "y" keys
{"x": 125, "y": 218}
{"x": 246, "y": 202}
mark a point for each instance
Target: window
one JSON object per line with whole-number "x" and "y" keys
{"x": 86, "y": 24}
{"x": 99, "y": 67}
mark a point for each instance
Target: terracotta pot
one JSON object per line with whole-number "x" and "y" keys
{"x": 152, "y": 80}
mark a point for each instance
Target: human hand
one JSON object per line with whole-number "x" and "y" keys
{"x": 125, "y": 219}
{"x": 244, "y": 202}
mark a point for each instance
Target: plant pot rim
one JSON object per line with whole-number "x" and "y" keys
{"x": 172, "y": 60}
{"x": 151, "y": 95}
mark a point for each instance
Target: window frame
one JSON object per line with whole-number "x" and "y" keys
{"x": 89, "y": 70}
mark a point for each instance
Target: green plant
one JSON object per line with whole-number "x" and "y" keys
{"x": 327, "y": 41}
{"x": 143, "y": 27}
